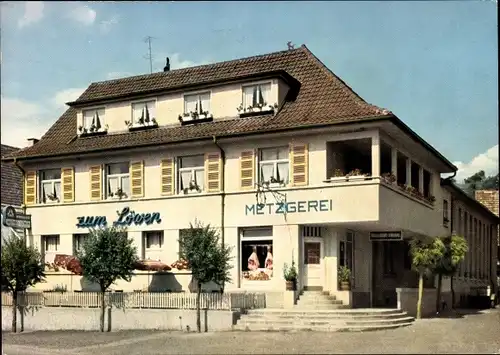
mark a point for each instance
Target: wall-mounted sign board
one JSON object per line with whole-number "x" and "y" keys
{"x": 13, "y": 219}
{"x": 385, "y": 236}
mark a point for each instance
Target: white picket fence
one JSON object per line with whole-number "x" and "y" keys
{"x": 162, "y": 300}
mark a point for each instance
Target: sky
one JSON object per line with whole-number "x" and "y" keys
{"x": 433, "y": 64}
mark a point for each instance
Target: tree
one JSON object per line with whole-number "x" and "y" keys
{"x": 479, "y": 181}
{"x": 107, "y": 255}
{"x": 454, "y": 252}
{"x": 22, "y": 267}
{"x": 425, "y": 254}
{"x": 207, "y": 258}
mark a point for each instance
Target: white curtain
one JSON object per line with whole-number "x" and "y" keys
{"x": 57, "y": 189}
{"x": 46, "y": 189}
{"x": 200, "y": 178}
{"x": 152, "y": 109}
{"x": 204, "y": 103}
{"x": 190, "y": 103}
{"x": 266, "y": 172}
{"x": 283, "y": 172}
{"x": 112, "y": 185}
{"x": 126, "y": 185}
{"x": 266, "y": 90}
{"x": 185, "y": 179}
{"x": 247, "y": 96}
{"x": 137, "y": 112}
{"x": 88, "y": 116}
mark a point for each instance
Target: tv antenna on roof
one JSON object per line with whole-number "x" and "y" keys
{"x": 149, "y": 55}
{"x": 290, "y": 45}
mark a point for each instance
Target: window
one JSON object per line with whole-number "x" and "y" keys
{"x": 153, "y": 240}
{"x": 93, "y": 120}
{"x": 476, "y": 248}
{"x": 191, "y": 174}
{"x": 197, "y": 104}
{"x": 312, "y": 253}
{"x": 274, "y": 166}
{"x": 50, "y": 243}
{"x": 347, "y": 252}
{"x": 143, "y": 113}
{"x": 78, "y": 240}
{"x": 256, "y": 95}
{"x": 50, "y": 186}
{"x": 427, "y": 183}
{"x": 445, "y": 213}
{"x": 401, "y": 168}
{"x": 257, "y": 254}
{"x": 467, "y": 237}
{"x": 118, "y": 180}
{"x": 415, "y": 175}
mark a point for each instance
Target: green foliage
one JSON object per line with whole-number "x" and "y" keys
{"x": 290, "y": 272}
{"x": 207, "y": 258}
{"x": 107, "y": 255}
{"x": 454, "y": 252}
{"x": 22, "y": 265}
{"x": 479, "y": 181}
{"x": 344, "y": 274}
{"x": 426, "y": 253}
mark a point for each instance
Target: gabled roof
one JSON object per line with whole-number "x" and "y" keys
{"x": 12, "y": 180}
{"x": 460, "y": 194}
{"x": 323, "y": 99}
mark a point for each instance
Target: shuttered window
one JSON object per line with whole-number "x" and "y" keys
{"x": 30, "y": 188}
{"x": 137, "y": 179}
{"x": 167, "y": 176}
{"x": 299, "y": 161}
{"x": 247, "y": 164}
{"x": 68, "y": 182}
{"x": 213, "y": 170}
{"x": 95, "y": 173}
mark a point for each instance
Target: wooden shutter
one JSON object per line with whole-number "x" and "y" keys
{"x": 137, "y": 179}
{"x": 167, "y": 176}
{"x": 247, "y": 169}
{"x": 299, "y": 164}
{"x": 30, "y": 188}
{"x": 213, "y": 168}
{"x": 68, "y": 184}
{"x": 95, "y": 173}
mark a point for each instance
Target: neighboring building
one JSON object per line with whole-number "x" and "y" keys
{"x": 490, "y": 199}
{"x": 258, "y": 147}
{"x": 12, "y": 185}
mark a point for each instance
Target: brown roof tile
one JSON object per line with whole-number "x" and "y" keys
{"x": 322, "y": 99}
{"x": 12, "y": 180}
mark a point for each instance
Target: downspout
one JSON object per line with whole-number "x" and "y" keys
{"x": 223, "y": 192}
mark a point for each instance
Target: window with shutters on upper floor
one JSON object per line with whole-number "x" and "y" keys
{"x": 117, "y": 180}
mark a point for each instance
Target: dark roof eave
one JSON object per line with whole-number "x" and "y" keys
{"x": 283, "y": 74}
{"x": 463, "y": 195}
{"x": 401, "y": 125}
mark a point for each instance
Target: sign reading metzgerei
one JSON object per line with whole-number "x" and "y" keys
{"x": 381, "y": 236}
{"x": 13, "y": 219}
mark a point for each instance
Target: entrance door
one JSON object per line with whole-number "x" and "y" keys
{"x": 313, "y": 263}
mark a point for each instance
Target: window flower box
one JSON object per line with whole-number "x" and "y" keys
{"x": 257, "y": 110}
{"x": 141, "y": 125}
{"x": 195, "y": 118}
{"x": 93, "y": 130}
{"x": 389, "y": 178}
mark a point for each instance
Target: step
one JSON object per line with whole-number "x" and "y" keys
{"x": 321, "y": 307}
{"x": 320, "y": 328}
{"x": 323, "y": 322}
{"x": 349, "y": 311}
{"x": 320, "y": 302}
{"x": 328, "y": 316}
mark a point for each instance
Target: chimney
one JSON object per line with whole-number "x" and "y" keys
{"x": 167, "y": 67}
{"x": 33, "y": 141}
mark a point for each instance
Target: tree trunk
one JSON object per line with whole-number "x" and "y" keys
{"x": 21, "y": 310}
{"x": 103, "y": 309}
{"x": 452, "y": 293}
{"x": 14, "y": 312}
{"x": 420, "y": 294}
{"x": 198, "y": 308}
{"x": 438, "y": 293}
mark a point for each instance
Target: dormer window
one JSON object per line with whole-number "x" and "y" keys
{"x": 196, "y": 106}
{"x": 93, "y": 121}
{"x": 256, "y": 96}
{"x": 143, "y": 115}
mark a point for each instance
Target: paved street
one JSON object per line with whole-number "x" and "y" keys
{"x": 473, "y": 333}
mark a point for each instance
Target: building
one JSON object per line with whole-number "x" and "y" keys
{"x": 489, "y": 198}
{"x": 274, "y": 150}
{"x": 12, "y": 185}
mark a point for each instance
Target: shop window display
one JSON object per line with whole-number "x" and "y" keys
{"x": 257, "y": 260}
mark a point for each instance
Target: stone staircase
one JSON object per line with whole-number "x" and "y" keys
{"x": 316, "y": 311}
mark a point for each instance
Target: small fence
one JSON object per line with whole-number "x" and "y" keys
{"x": 159, "y": 300}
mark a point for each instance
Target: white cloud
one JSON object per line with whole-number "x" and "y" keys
{"x": 106, "y": 25}
{"x": 487, "y": 161}
{"x": 33, "y": 12}
{"x": 22, "y": 119}
{"x": 81, "y": 13}
{"x": 175, "y": 61}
